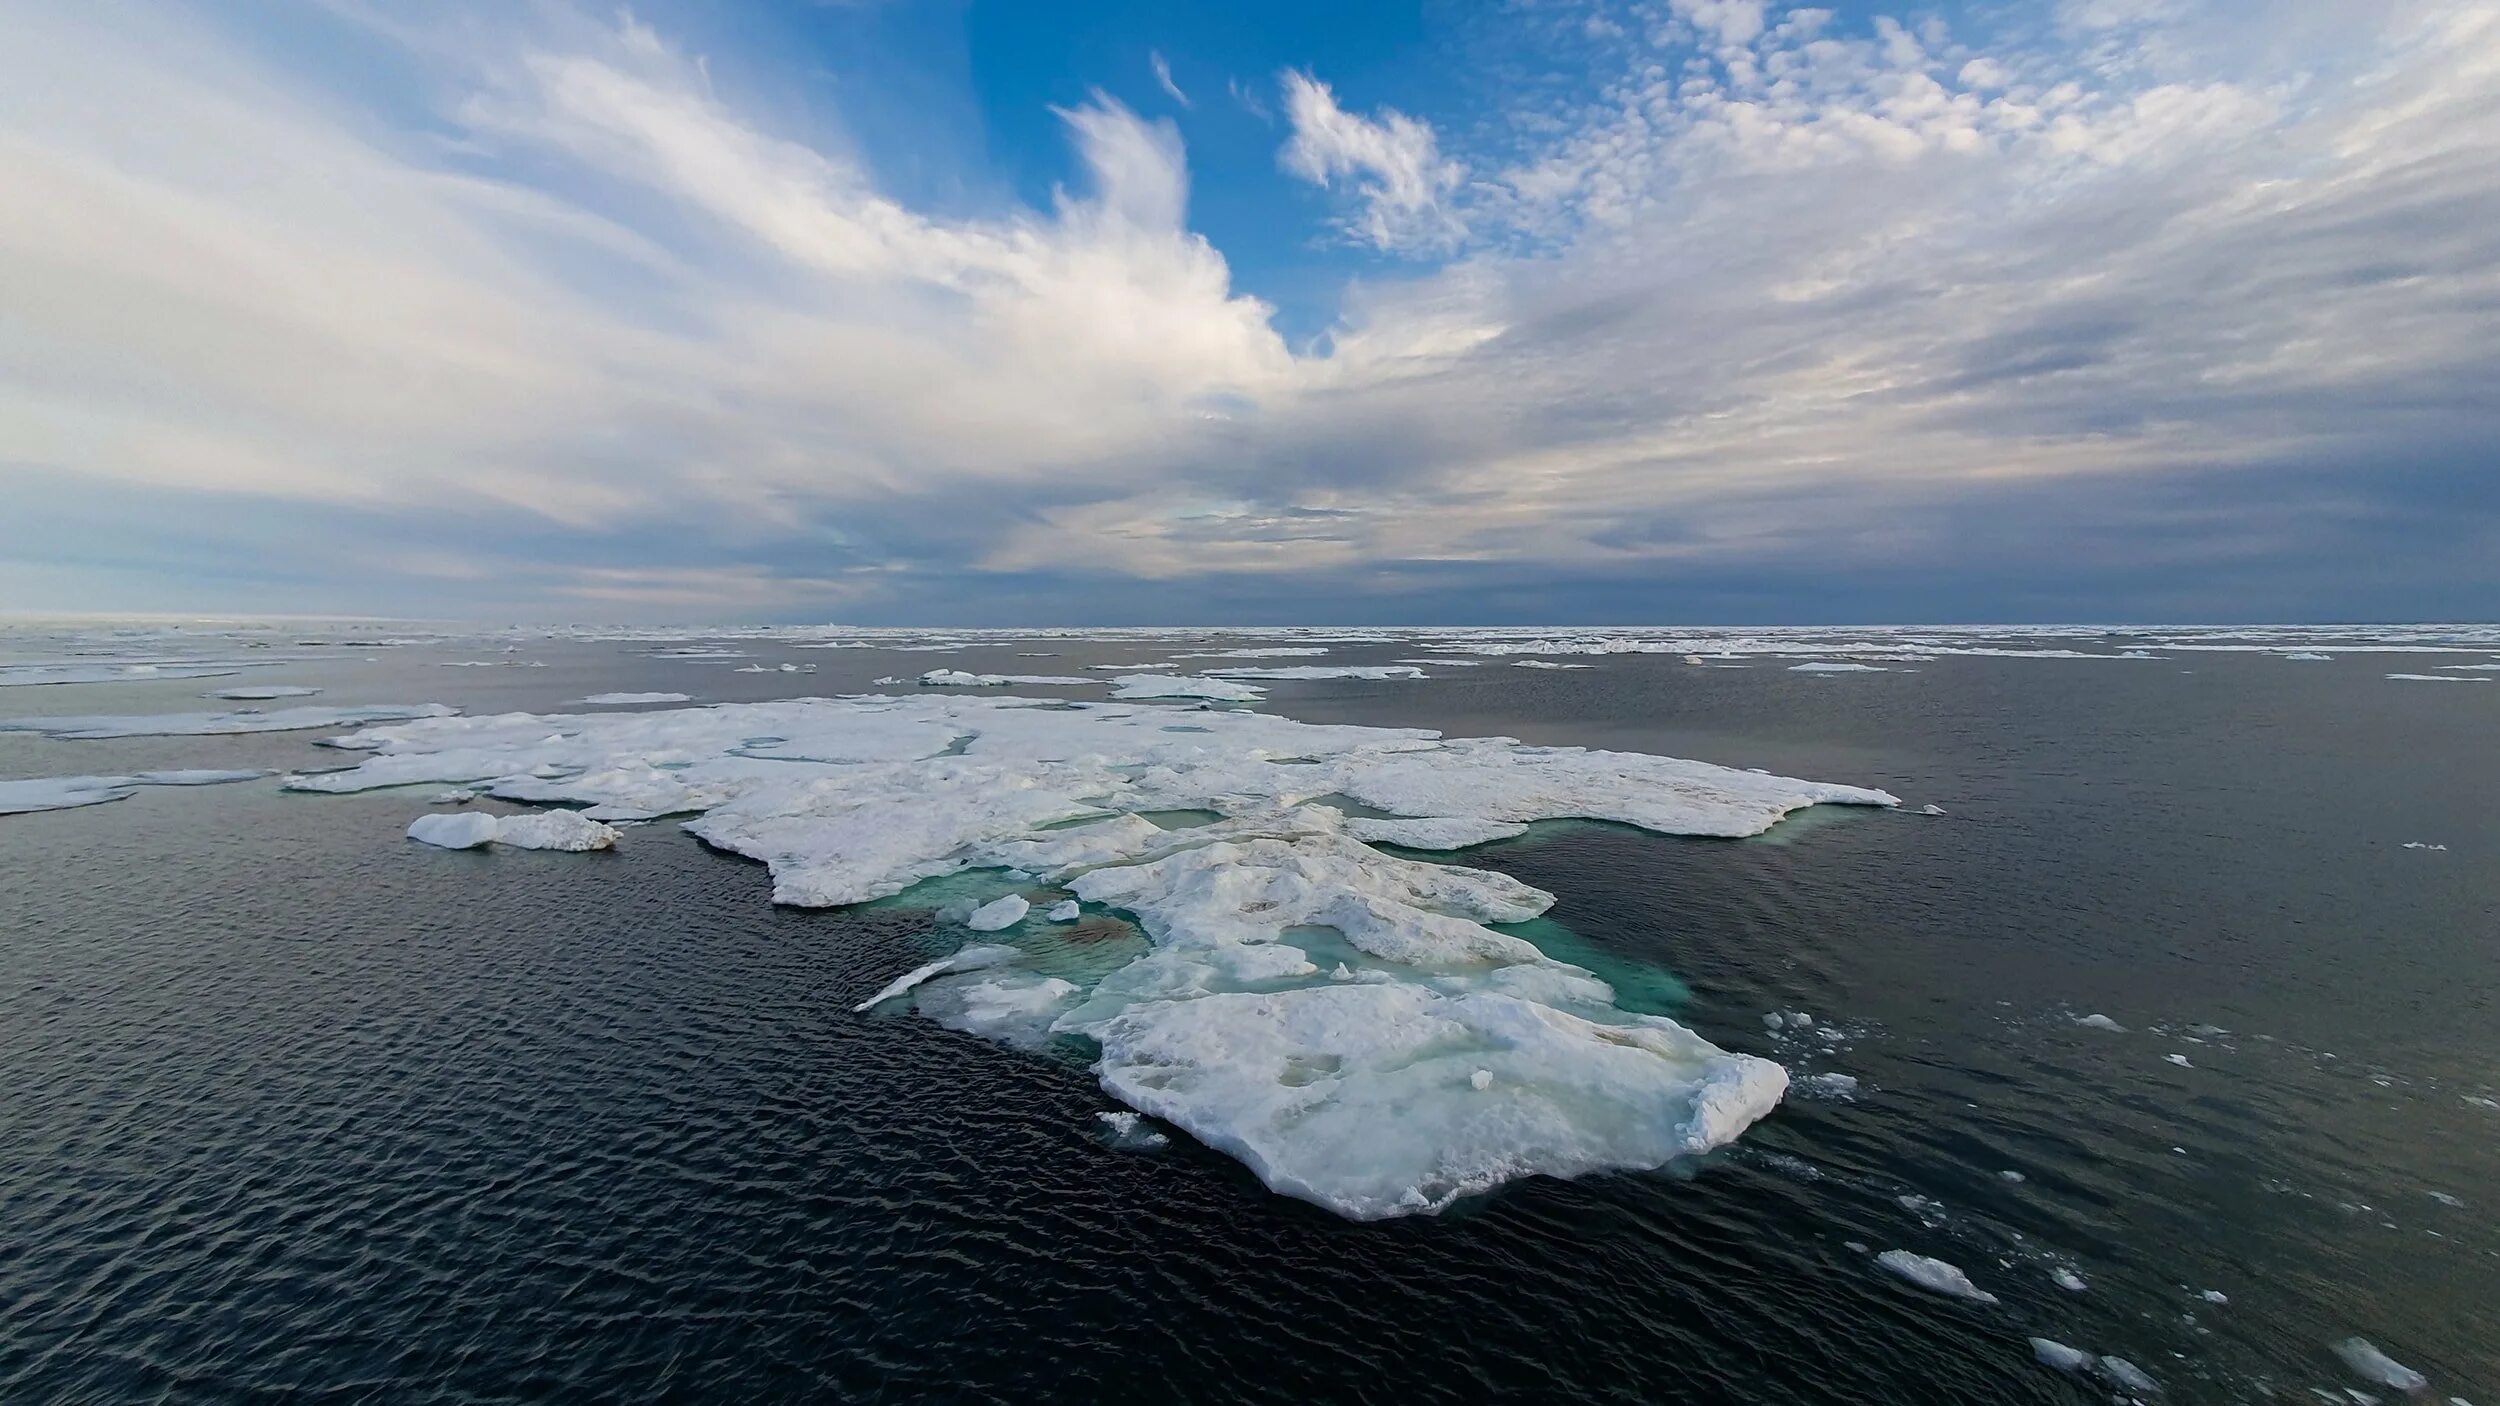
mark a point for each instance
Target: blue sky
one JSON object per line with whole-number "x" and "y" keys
{"x": 1554, "y": 310}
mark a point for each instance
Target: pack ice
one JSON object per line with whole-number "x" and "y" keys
{"x": 1354, "y": 1026}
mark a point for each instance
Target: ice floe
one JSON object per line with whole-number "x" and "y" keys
{"x": 69, "y": 792}
{"x": 620, "y": 700}
{"x": 1307, "y": 1003}
{"x": 998, "y": 914}
{"x": 2370, "y": 1364}
{"x": 1434, "y": 832}
{"x": 27, "y": 675}
{"x": 565, "y": 830}
{"x": 1933, "y": 1275}
{"x": 957, "y": 678}
{"x": 208, "y": 724}
{"x": 2098, "y": 1021}
{"x": 1843, "y": 668}
{"x": 256, "y": 693}
{"x": 1128, "y": 1130}
{"x": 1175, "y": 686}
{"x": 1546, "y": 664}
{"x": 1323, "y": 671}
{"x": 975, "y": 957}
{"x": 2436, "y": 678}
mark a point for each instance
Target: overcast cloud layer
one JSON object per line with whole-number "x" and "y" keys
{"x": 2136, "y": 309}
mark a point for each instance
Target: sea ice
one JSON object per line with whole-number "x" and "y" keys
{"x": 1065, "y": 912}
{"x": 1000, "y": 913}
{"x": 2126, "y": 1375}
{"x": 566, "y": 830}
{"x": 2179, "y": 1060}
{"x": 2370, "y": 1364}
{"x": 69, "y": 792}
{"x": 957, "y": 678}
{"x": 619, "y": 700}
{"x": 1822, "y": 668}
{"x": 1933, "y": 1275}
{"x": 1546, "y": 664}
{"x": 2067, "y": 1280}
{"x": 207, "y": 724}
{"x": 251, "y": 693}
{"x": 1173, "y": 686}
{"x": 1130, "y": 1131}
{"x": 1436, "y": 832}
{"x": 973, "y": 957}
{"x": 1353, "y": 1087}
{"x": 2052, "y": 1353}
{"x": 1839, "y": 1087}
{"x": 21, "y": 675}
{"x": 2097, "y": 1021}
{"x": 1323, "y": 671}
{"x": 2435, "y": 678}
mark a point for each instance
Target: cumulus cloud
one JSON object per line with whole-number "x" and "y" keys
{"x": 1778, "y": 311}
{"x": 1391, "y": 164}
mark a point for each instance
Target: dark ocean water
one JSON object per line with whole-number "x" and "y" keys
{"x": 296, "y": 1110}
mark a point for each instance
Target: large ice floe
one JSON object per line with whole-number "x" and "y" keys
{"x": 209, "y": 724}
{"x": 67, "y": 792}
{"x": 1361, "y": 1029}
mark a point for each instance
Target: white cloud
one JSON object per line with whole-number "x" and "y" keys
{"x": 1392, "y": 162}
{"x": 1163, "y": 79}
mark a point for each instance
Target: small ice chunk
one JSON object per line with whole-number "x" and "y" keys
{"x": 619, "y": 700}
{"x": 2067, "y": 1280}
{"x": 2179, "y": 1060}
{"x": 1065, "y": 912}
{"x": 567, "y": 830}
{"x": 2370, "y": 1364}
{"x": 1821, "y": 668}
{"x": 2435, "y": 678}
{"x": 1546, "y": 664}
{"x": 2127, "y": 1375}
{"x": 62, "y": 792}
{"x": 1130, "y": 1131}
{"x": 999, "y": 913}
{"x": 1481, "y": 1079}
{"x": 2009, "y": 1174}
{"x": 2097, "y": 1021}
{"x": 2214, "y": 1296}
{"x": 458, "y": 797}
{"x": 972, "y": 958}
{"x": 1933, "y": 1275}
{"x": 1932, "y": 810}
{"x": 1774, "y": 1020}
{"x": 1843, "y": 1087}
{"x": 2419, "y": 844}
{"x": 468, "y": 829}
{"x": 253, "y": 693}
{"x": 2052, "y": 1353}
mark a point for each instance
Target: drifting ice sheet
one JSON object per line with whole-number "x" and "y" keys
{"x": 208, "y": 724}
{"x": 67, "y": 792}
{"x": 1173, "y": 686}
{"x": 619, "y": 700}
{"x": 1428, "y": 1055}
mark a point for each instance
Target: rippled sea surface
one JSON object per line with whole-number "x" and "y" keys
{"x": 293, "y": 1109}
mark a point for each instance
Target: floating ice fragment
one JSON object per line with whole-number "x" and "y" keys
{"x": 2307, "y": 656}
{"x": 888, "y": 679}
{"x": 971, "y": 958}
{"x": 2435, "y": 678}
{"x": 619, "y": 700}
{"x": 1130, "y": 1131}
{"x": 2009, "y": 1174}
{"x": 2418, "y": 844}
{"x": 566, "y": 830}
{"x": 1931, "y": 810}
{"x": 2214, "y": 1296}
{"x": 1546, "y": 664}
{"x": 1172, "y": 686}
{"x": 2067, "y": 1280}
{"x": 2370, "y": 1364}
{"x": 1821, "y": 668}
{"x": 1323, "y": 671}
{"x": 260, "y": 692}
{"x": 457, "y": 797}
{"x": 957, "y": 678}
{"x": 61, "y": 793}
{"x": 1067, "y": 911}
{"x": 208, "y": 724}
{"x": 1436, "y": 832}
{"x": 2179, "y": 1060}
{"x": 1840, "y": 1087}
{"x": 1480, "y": 1080}
{"x": 2097, "y": 1021}
{"x": 2127, "y": 1375}
{"x": 1933, "y": 1275}
{"x": 999, "y": 913}
{"x": 2052, "y": 1353}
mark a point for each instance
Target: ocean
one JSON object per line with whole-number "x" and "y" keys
{"x": 297, "y": 1109}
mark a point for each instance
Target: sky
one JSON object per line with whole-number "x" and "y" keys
{"x": 1515, "y": 311}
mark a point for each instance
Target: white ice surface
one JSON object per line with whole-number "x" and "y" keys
{"x": 2052, "y": 1353}
{"x": 957, "y": 678}
{"x": 1323, "y": 671}
{"x": 1434, "y": 832}
{"x": 207, "y": 724}
{"x": 999, "y": 913}
{"x": 1825, "y": 668}
{"x": 1356, "y": 1092}
{"x": 619, "y": 700}
{"x": 974, "y": 957}
{"x": 1067, "y": 912}
{"x": 565, "y": 830}
{"x": 253, "y": 693}
{"x": 1174, "y": 686}
{"x": 22, "y": 675}
{"x": 68, "y": 792}
{"x": 1546, "y": 664}
{"x": 2436, "y": 678}
{"x": 2098, "y": 1021}
{"x": 2370, "y": 1364}
{"x": 1933, "y": 1275}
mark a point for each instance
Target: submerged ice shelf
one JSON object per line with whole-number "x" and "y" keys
{"x": 1352, "y": 1025}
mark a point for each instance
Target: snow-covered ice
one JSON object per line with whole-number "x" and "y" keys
{"x": 974, "y": 957}
{"x": 566, "y": 830}
{"x": 2052, "y": 1353}
{"x": 1175, "y": 686}
{"x": 1546, "y": 664}
{"x": 1065, "y": 912}
{"x": 1000, "y": 913}
{"x": 1323, "y": 671}
{"x": 1933, "y": 1275}
{"x": 619, "y": 700}
{"x": 2370, "y": 1364}
{"x": 957, "y": 678}
{"x": 69, "y": 792}
{"x": 2436, "y": 678}
{"x": 209, "y": 724}
{"x": 1348, "y": 1081}
{"x": 1843, "y": 668}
